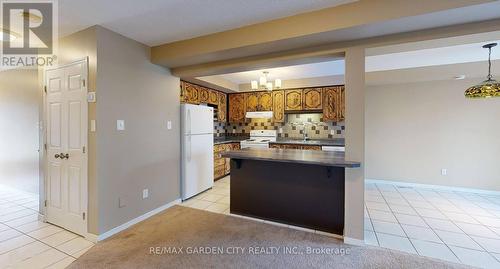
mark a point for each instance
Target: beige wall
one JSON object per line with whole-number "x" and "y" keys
{"x": 415, "y": 130}
{"x": 355, "y": 144}
{"x": 146, "y": 154}
{"x": 19, "y": 105}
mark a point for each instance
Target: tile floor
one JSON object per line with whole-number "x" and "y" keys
{"x": 461, "y": 227}
{"x": 25, "y": 242}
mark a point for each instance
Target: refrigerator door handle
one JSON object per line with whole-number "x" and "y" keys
{"x": 189, "y": 149}
{"x": 188, "y": 120}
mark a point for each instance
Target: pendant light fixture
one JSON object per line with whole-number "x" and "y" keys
{"x": 489, "y": 87}
{"x": 264, "y": 83}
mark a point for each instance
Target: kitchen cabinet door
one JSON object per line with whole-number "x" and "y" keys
{"x": 192, "y": 94}
{"x": 237, "y": 108}
{"x": 213, "y": 97}
{"x": 221, "y": 107}
{"x": 293, "y": 99}
{"x": 279, "y": 106}
{"x": 331, "y": 102}
{"x": 312, "y": 99}
{"x": 265, "y": 101}
{"x": 183, "y": 91}
{"x": 252, "y": 101}
{"x": 290, "y": 146}
{"x": 203, "y": 93}
{"x": 341, "y": 103}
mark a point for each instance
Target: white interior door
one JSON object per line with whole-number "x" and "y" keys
{"x": 66, "y": 139}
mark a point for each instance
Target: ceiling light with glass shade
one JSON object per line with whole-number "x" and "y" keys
{"x": 264, "y": 84}
{"x": 489, "y": 87}
{"x": 7, "y": 35}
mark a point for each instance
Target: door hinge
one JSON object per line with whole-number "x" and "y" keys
{"x": 45, "y": 203}
{"x": 45, "y": 89}
{"x": 83, "y": 215}
{"x": 83, "y": 82}
{"x": 83, "y": 149}
{"x": 45, "y": 146}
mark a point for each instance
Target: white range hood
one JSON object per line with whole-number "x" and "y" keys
{"x": 259, "y": 115}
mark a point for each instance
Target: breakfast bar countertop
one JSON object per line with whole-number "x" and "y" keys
{"x": 338, "y": 142}
{"x": 229, "y": 139}
{"x": 313, "y": 157}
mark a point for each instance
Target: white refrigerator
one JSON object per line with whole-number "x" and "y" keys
{"x": 197, "y": 149}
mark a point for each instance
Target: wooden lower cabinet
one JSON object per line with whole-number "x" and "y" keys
{"x": 294, "y": 146}
{"x": 222, "y": 166}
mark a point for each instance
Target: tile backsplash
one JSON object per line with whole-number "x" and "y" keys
{"x": 292, "y": 127}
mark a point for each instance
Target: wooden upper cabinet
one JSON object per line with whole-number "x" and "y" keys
{"x": 333, "y": 103}
{"x": 293, "y": 99}
{"x": 342, "y": 103}
{"x": 183, "y": 92}
{"x": 312, "y": 99}
{"x": 213, "y": 97}
{"x": 192, "y": 94}
{"x": 203, "y": 93}
{"x": 265, "y": 101}
{"x": 252, "y": 101}
{"x": 279, "y": 106}
{"x": 221, "y": 107}
{"x": 237, "y": 107}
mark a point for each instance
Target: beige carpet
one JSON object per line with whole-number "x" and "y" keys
{"x": 190, "y": 228}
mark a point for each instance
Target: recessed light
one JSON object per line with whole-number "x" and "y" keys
{"x": 459, "y": 77}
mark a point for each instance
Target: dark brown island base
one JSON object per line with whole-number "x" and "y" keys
{"x": 298, "y": 187}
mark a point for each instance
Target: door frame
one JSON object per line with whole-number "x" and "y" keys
{"x": 43, "y": 191}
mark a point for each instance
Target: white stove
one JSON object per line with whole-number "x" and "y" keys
{"x": 259, "y": 139}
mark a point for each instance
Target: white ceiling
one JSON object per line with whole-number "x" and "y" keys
{"x": 441, "y": 56}
{"x": 289, "y": 72}
{"x": 155, "y": 22}
{"x": 432, "y": 57}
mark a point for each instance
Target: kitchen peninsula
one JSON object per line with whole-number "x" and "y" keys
{"x": 297, "y": 187}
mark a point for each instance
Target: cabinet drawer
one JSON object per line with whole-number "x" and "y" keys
{"x": 309, "y": 147}
{"x": 274, "y": 146}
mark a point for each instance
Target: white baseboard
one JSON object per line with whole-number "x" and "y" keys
{"x": 41, "y": 217}
{"x": 354, "y": 241}
{"x": 437, "y": 187}
{"x": 137, "y": 220}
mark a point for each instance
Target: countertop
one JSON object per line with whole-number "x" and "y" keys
{"x": 313, "y": 142}
{"x": 313, "y": 157}
{"x": 229, "y": 139}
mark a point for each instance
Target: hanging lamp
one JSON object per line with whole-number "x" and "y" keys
{"x": 489, "y": 87}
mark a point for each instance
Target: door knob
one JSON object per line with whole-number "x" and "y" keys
{"x": 64, "y": 156}
{"x": 56, "y": 156}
